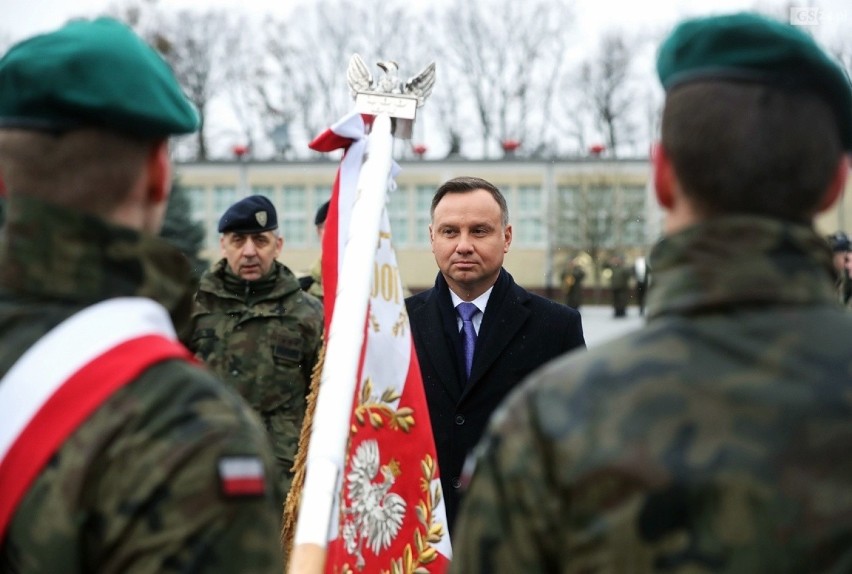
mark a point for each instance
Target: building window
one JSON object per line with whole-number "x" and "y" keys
{"x": 529, "y": 216}
{"x": 423, "y": 195}
{"x": 567, "y": 226}
{"x": 197, "y": 202}
{"x": 398, "y": 216}
{"x": 266, "y": 191}
{"x": 601, "y": 228}
{"x": 223, "y": 198}
{"x": 633, "y": 212}
{"x": 293, "y": 217}
{"x": 322, "y": 193}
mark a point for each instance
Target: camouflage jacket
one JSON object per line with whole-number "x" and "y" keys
{"x": 712, "y": 440}
{"x": 263, "y": 345}
{"x": 135, "y": 488}
{"x": 316, "y": 274}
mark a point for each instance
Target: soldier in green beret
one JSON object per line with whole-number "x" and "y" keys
{"x": 118, "y": 452}
{"x": 256, "y": 329}
{"x": 714, "y": 439}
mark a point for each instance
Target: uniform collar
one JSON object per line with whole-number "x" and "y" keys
{"x": 51, "y": 252}
{"x": 736, "y": 261}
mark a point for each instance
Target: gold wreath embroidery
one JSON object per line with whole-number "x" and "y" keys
{"x": 377, "y": 410}
{"x": 421, "y": 551}
{"x": 412, "y": 563}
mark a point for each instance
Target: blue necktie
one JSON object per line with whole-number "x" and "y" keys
{"x": 466, "y": 312}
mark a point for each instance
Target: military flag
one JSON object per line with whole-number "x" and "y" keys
{"x": 388, "y": 513}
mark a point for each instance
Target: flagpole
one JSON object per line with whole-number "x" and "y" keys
{"x": 326, "y": 453}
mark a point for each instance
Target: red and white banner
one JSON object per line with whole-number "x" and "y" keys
{"x": 65, "y": 376}
{"x": 390, "y": 513}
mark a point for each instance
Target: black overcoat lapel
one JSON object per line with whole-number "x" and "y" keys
{"x": 504, "y": 316}
{"x": 439, "y": 338}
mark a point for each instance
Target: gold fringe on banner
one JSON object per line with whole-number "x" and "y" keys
{"x": 294, "y": 497}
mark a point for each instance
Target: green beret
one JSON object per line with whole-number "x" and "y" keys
{"x": 750, "y": 47}
{"x": 92, "y": 74}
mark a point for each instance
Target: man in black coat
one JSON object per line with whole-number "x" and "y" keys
{"x": 516, "y": 331}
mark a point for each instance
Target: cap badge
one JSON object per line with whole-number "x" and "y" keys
{"x": 261, "y": 218}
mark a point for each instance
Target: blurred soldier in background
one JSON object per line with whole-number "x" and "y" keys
{"x": 641, "y": 275}
{"x": 715, "y": 438}
{"x": 255, "y": 327}
{"x": 572, "y": 283}
{"x": 312, "y": 283}
{"x": 620, "y": 284}
{"x": 840, "y": 247}
{"x": 117, "y": 454}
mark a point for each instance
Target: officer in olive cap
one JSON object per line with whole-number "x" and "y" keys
{"x": 117, "y": 454}
{"x": 255, "y": 328}
{"x": 708, "y": 441}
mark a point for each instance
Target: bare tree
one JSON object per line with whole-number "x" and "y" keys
{"x": 605, "y": 81}
{"x": 596, "y": 217}
{"x": 507, "y": 59}
{"x": 196, "y": 44}
{"x": 308, "y": 55}
{"x": 244, "y": 71}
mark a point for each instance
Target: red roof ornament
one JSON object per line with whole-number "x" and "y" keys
{"x": 510, "y": 145}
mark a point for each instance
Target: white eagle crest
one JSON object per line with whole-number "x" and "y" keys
{"x": 360, "y": 80}
{"x": 376, "y": 512}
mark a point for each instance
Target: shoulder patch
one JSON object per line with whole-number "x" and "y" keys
{"x": 241, "y": 476}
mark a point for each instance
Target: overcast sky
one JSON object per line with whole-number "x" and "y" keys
{"x": 651, "y": 19}
{"x": 21, "y": 18}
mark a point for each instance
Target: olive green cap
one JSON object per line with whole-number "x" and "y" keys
{"x": 92, "y": 73}
{"x": 752, "y": 48}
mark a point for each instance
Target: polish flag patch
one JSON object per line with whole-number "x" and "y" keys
{"x": 241, "y": 476}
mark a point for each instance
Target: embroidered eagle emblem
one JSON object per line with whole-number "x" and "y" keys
{"x": 375, "y": 514}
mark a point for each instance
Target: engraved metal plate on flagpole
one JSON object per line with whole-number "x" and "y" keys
{"x": 394, "y": 105}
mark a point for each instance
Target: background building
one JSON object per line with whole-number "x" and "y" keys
{"x": 584, "y": 209}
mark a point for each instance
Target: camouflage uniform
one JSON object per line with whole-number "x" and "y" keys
{"x": 316, "y": 274}
{"x": 713, "y": 440}
{"x": 135, "y": 488}
{"x": 262, "y": 338}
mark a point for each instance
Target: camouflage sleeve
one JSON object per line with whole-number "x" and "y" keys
{"x": 313, "y": 330}
{"x": 149, "y": 485}
{"x": 510, "y": 515}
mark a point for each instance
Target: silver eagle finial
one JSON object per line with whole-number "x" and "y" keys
{"x": 360, "y": 80}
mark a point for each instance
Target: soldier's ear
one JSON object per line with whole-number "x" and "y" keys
{"x": 832, "y": 194}
{"x": 664, "y": 177}
{"x": 159, "y": 169}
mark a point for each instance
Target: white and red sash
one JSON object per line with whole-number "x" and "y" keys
{"x": 65, "y": 376}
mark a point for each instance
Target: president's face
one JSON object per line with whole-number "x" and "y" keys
{"x": 469, "y": 241}
{"x": 250, "y": 255}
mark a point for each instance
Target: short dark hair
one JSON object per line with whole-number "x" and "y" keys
{"x": 466, "y": 184}
{"x": 322, "y": 213}
{"x": 749, "y": 148}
